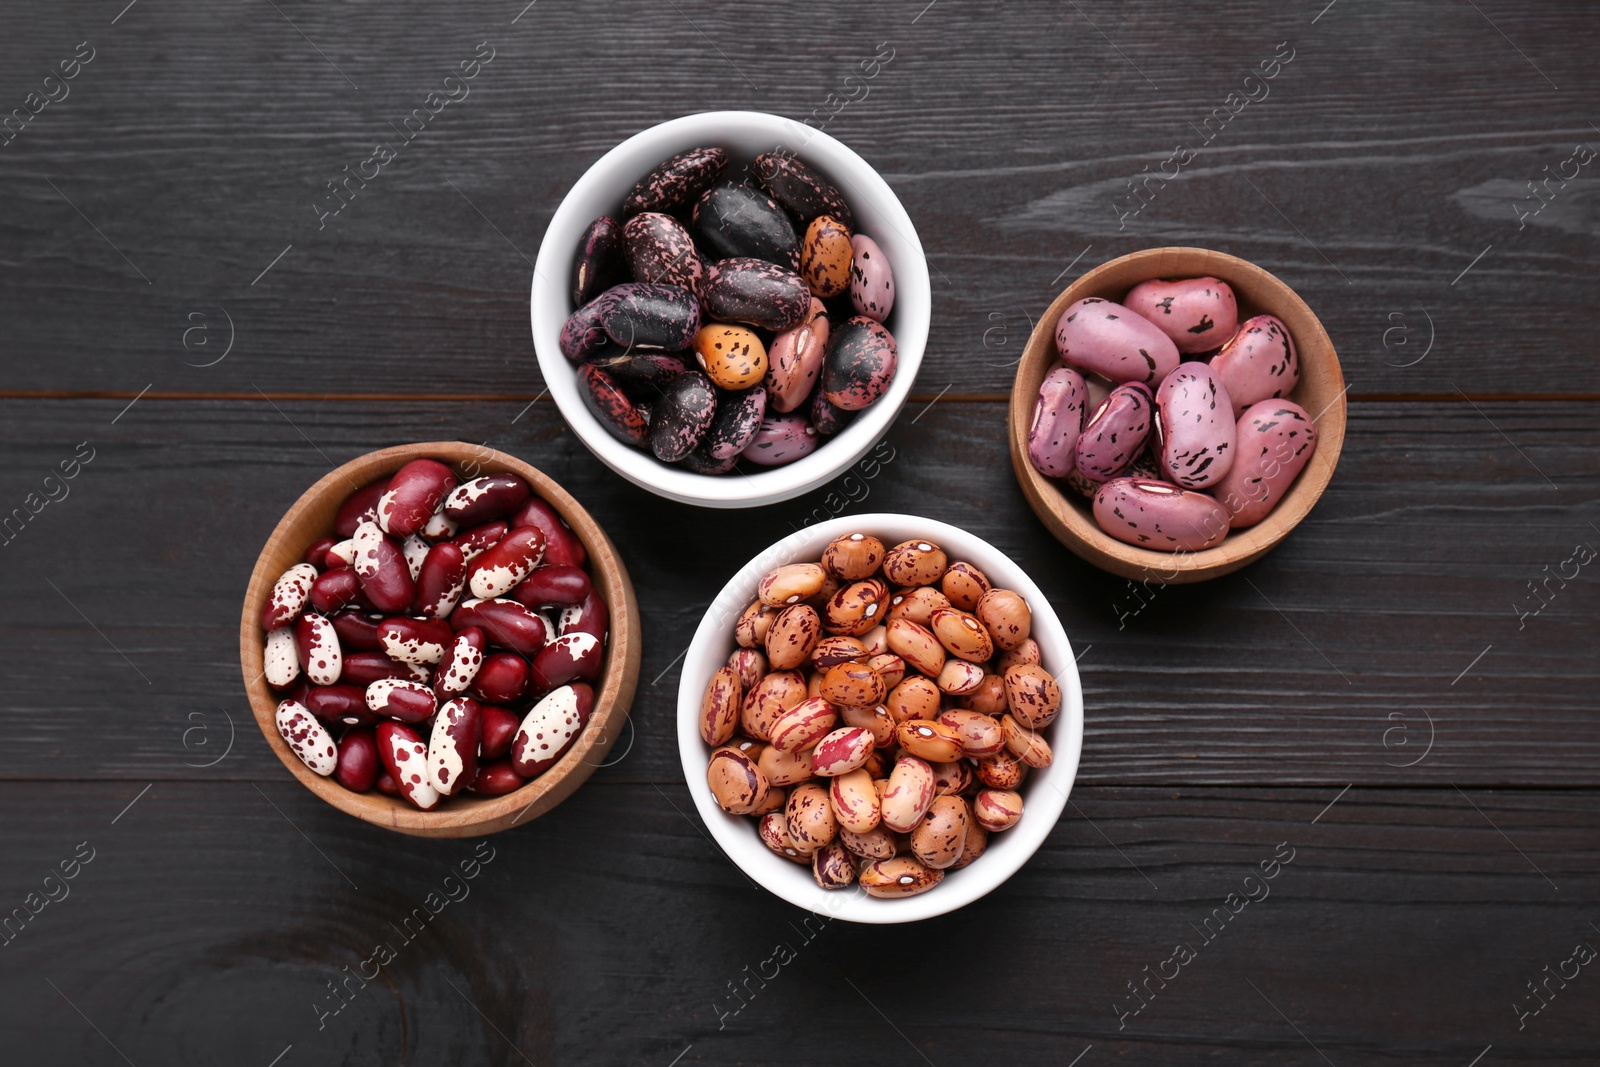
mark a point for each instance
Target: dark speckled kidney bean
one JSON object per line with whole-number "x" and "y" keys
{"x": 738, "y": 418}
{"x": 757, "y": 293}
{"x": 1159, "y": 515}
{"x": 1260, "y": 363}
{"x": 1276, "y": 439}
{"x": 802, "y": 190}
{"x": 584, "y": 331}
{"x": 781, "y": 439}
{"x": 860, "y": 363}
{"x": 639, "y": 372}
{"x": 701, "y": 462}
{"x": 599, "y": 265}
{"x": 659, "y": 249}
{"x": 732, "y": 221}
{"x": 612, "y": 407}
{"x": 827, "y": 419}
{"x": 681, "y": 417}
{"x": 1116, "y": 433}
{"x": 1195, "y": 426}
{"x": 1058, "y": 415}
{"x": 676, "y": 182}
{"x": 651, "y": 315}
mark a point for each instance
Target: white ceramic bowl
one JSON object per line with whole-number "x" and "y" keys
{"x": 1044, "y": 793}
{"x": 745, "y": 134}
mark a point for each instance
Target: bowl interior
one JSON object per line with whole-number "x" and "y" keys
{"x": 745, "y": 134}
{"x": 311, "y": 517}
{"x": 1045, "y": 792}
{"x": 1320, "y": 391}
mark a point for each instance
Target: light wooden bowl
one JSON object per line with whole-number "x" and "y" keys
{"x": 1321, "y": 392}
{"x": 468, "y": 815}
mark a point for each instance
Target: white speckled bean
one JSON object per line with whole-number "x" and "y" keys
{"x": 307, "y": 737}
{"x": 288, "y": 596}
{"x": 453, "y": 746}
{"x": 280, "y": 658}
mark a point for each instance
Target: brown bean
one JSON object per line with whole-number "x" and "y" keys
{"x": 772, "y": 696}
{"x": 750, "y": 631}
{"x": 785, "y": 768}
{"x": 981, "y": 736}
{"x": 1033, "y": 696}
{"x": 910, "y": 792}
{"x": 929, "y": 740}
{"x": 875, "y": 844}
{"x": 961, "y": 634}
{"x": 915, "y": 698}
{"x": 914, "y": 562}
{"x": 803, "y": 725}
{"x": 810, "y": 814}
{"x": 750, "y": 665}
{"x": 842, "y": 751}
{"x": 876, "y": 640}
{"x": 989, "y": 698}
{"x": 997, "y": 809}
{"x": 902, "y": 876}
{"x": 857, "y": 608}
{"x": 977, "y": 843}
{"x": 855, "y": 801}
{"x": 773, "y": 829}
{"x": 919, "y": 648}
{"x": 939, "y": 838}
{"x": 875, "y": 720}
{"x": 890, "y": 667}
{"x": 964, "y": 584}
{"x": 951, "y": 779}
{"x": 719, "y": 710}
{"x": 837, "y": 649}
{"x": 1026, "y": 654}
{"x": 855, "y": 684}
{"x": 790, "y": 584}
{"x": 776, "y": 798}
{"x": 794, "y": 633}
{"x": 1006, "y": 616}
{"x": 959, "y": 676}
{"x": 916, "y": 604}
{"x": 1029, "y": 747}
{"x": 853, "y": 557}
{"x": 1002, "y": 771}
{"x": 832, "y": 867}
{"x": 737, "y": 784}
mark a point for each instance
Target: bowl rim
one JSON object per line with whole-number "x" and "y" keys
{"x": 913, "y": 310}
{"x": 1074, "y": 526}
{"x": 467, "y": 815}
{"x": 1046, "y": 791}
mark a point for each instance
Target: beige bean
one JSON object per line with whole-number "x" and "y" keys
{"x": 908, "y": 795}
{"x": 776, "y": 798}
{"x": 914, "y": 562}
{"x": 750, "y": 665}
{"x": 876, "y": 640}
{"x": 772, "y": 696}
{"x": 719, "y": 709}
{"x": 901, "y": 876}
{"x": 773, "y": 829}
{"x": 749, "y": 746}
{"x": 832, "y": 866}
{"x": 785, "y": 768}
{"x": 811, "y": 821}
{"x": 750, "y": 631}
{"x": 803, "y": 725}
{"x": 977, "y": 843}
{"x": 838, "y": 649}
{"x": 736, "y": 782}
{"x": 792, "y": 636}
{"x": 1002, "y": 771}
{"x": 919, "y": 648}
{"x": 958, "y": 677}
{"x": 790, "y": 584}
{"x": 1025, "y": 744}
{"x": 875, "y": 844}
{"x": 1033, "y": 696}
{"x": 961, "y": 634}
{"x": 997, "y": 809}
{"x": 853, "y": 557}
{"x": 842, "y": 751}
{"x": 857, "y": 608}
{"x": 980, "y": 734}
{"x": 928, "y": 740}
{"x": 1005, "y": 615}
{"x": 952, "y": 778}
{"x": 890, "y": 667}
{"x": 1026, "y": 654}
{"x": 939, "y": 838}
{"x": 916, "y": 604}
{"x": 855, "y": 801}
{"x": 915, "y": 698}
{"x": 852, "y": 683}
{"x": 964, "y": 584}
{"x": 989, "y": 698}
{"x": 875, "y": 720}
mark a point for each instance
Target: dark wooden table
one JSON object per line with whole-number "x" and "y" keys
{"x": 1385, "y": 698}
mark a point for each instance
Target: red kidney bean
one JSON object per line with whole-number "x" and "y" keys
{"x": 317, "y": 553}
{"x": 307, "y": 737}
{"x": 386, "y": 783}
{"x": 441, "y": 580}
{"x": 479, "y": 538}
{"x": 453, "y": 746}
{"x": 336, "y": 589}
{"x": 405, "y": 757}
{"x": 504, "y": 622}
{"x": 340, "y": 703}
{"x": 498, "y": 729}
{"x": 364, "y": 668}
{"x": 357, "y": 630}
{"x": 493, "y": 496}
{"x": 359, "y": 764}
{"x": 461, "y": 664}
{"x": 317, "y": 644}
{"x": 497, "y": 779}
{"x": 549, "y": 728}
{"x": 553, "y": 584}
{"x": 568, "y": 657}
{"x": 416, "y": 640}
{"x": 382, "y": 570}
{"x": 298, "y": 690}
{"x": 561, "y": 544}
{"x": 403, "y": 699}
{"x": 590, "y": 617}
{"x": 413, "y": 496}
{"x": 500, "y": 567}
{"x": 502, "y": 678}
{"x": 288, "y": 596}
{"x": 360, "y": 506}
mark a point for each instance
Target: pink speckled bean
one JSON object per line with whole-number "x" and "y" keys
{"x": 1199, "y": 314}
{"x": 1260, "y": 363}
{"x": 1276, "y": 439}
{"x": 1159, "y": 515}
{"x": 871, "y": 279}
{"x": 1116, "y": 432}
{"x": 1101, "y": 337}
{"x": 1057, "y": 421}
{"x": 1195, "y": 426}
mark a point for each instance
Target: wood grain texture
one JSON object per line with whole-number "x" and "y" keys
{"x": 1323, "y": 663}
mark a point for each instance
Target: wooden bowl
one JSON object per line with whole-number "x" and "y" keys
{"x": 468, "y": 815}
{"x": 1320, "y": 392}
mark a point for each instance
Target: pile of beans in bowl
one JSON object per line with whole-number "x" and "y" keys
{"x": 442, "y": 641}
{"x": 879, "y": 714}
{"x": 730, "y": 319}
{"x": 1172, "y": 414}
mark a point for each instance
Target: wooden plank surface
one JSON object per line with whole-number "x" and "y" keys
{"x": 1379, "y": 695}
